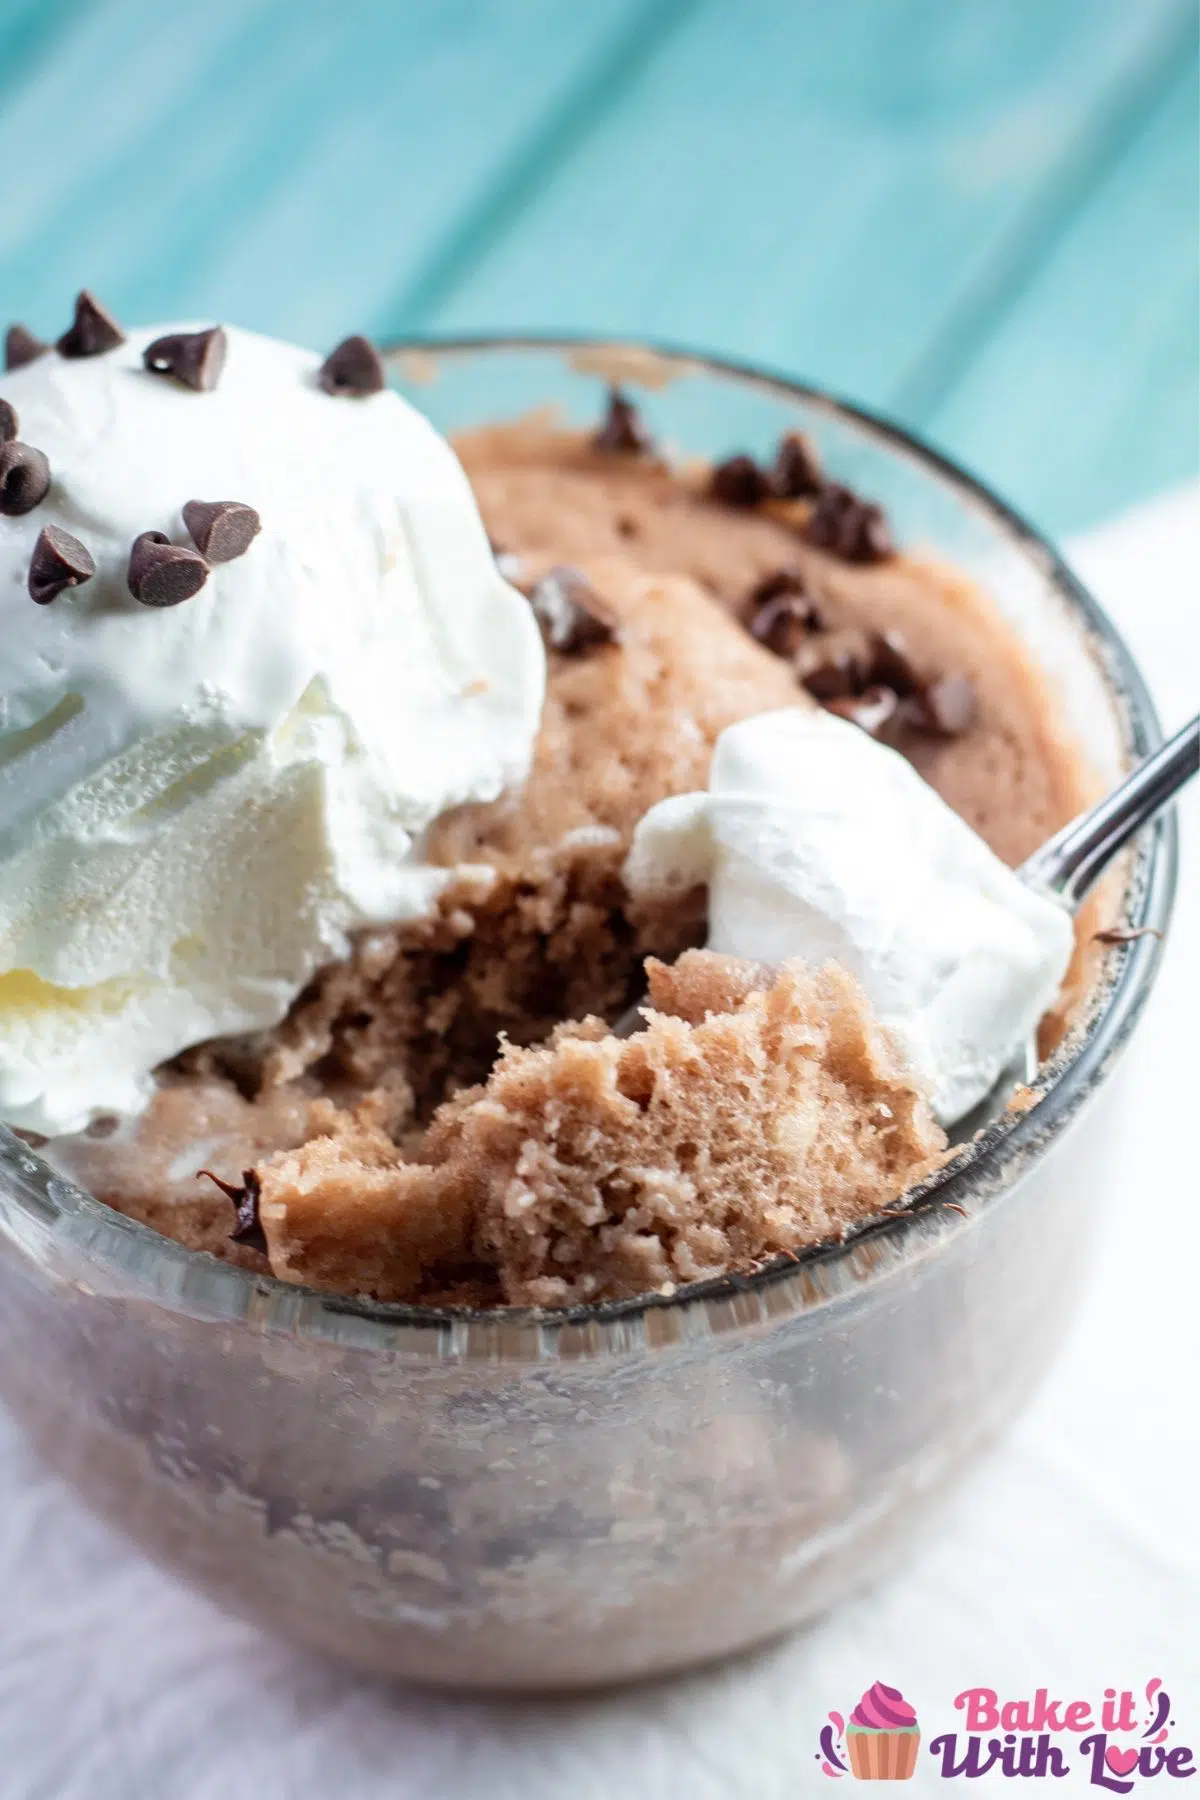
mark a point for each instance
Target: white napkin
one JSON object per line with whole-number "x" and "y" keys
{"x": 1071, "y": 1561}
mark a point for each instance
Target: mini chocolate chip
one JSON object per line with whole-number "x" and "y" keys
{"x": 835, "y": 664}
{"x": 946, "y": 707}
{"x": 353, "y": 368}
{"x": 247, "y": 1228}
{"x": 772, "y": 587}
{"x": 738, "y": 481}
{"x": 784, "y": 623}
{"x": 221, "y": 529}
{"x": 624, "y": 431}
{"x": 873, "y": 710}
{"x": 24, "y": 478}
{"x": 572, "y": 615}
{"x": 162, "y": 573}
{"x": 92, "y": 331}
{"x": 59, "y": 561}
{"x": 834, "y": 678}
{"x": 779, "y": 581}
{"x": 21, "y": 347}
{"x": 9, "y": 425}
{"x": 796, "y": 471}
{"x": 891, "y": 664}
{"x": 194, "y": 358}
{"x": 854, "y": 529}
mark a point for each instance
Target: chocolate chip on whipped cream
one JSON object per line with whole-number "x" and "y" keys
{"x": 21, "y": 347}
{"x": 194, "y": 358}
{"x": 24, "y": 478}
{"x": 247, "y": 1228}
{"x": 92, "y": 332}
{"x": 366, "y": 657}
{"x": 59, "y": 561}
{"x": 572, "y": 615}
{"x": 353, "y": 369}
{"x": 624, "y": 432}
{"x": 221, "y": 530}
{"x": 9, "y": 423}
{"x": 162, "y": 573}
{"x": 855, "y": 530}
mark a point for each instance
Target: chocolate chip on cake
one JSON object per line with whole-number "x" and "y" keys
{"x": 873, "y": 711}
{"x": 92, "y": 332}
{"x": 221, "y": 529}
{"x": 9, "y": 425}
{"x": 835, "y": 665}
{"x": 891, "y": 664}
{"x": 779, "y": 613}
{"x": 772, "y": 586}
{"x": 624, "y": 432}
{"x": 572, "y": 615}
{"x": 784, "y": 624}
{"x": 796, "y": 472}
{"x": 945, "y": 707}
{"x": 21, "y": 347}
{"x": 59, "y": 561}
{"x": 738, "y": 481}
{"x": 856, "y": 530}
{"x": 24, "y": 478}
{"x": 162, "y": 573}
{"x": 246, "y": 1200}
{"x": 353, "y": 369}
{"x": 195, "y": 358}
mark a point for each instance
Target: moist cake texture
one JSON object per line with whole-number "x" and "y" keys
{"x": 743, "y": 1120}
{"x": 388, "y": 1150}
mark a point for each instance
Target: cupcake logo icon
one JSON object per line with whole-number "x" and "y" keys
{"x": 878, "y": 1742}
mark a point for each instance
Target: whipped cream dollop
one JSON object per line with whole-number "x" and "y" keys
{"x": 816, "y": 841}
{"x": 199, "y": 801}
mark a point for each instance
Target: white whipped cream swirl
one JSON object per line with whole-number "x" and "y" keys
{"x": 816, "y": 841}
{"x": 198, "y": 803}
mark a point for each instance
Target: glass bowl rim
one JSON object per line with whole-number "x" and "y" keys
{"x": 785, "y": 1283}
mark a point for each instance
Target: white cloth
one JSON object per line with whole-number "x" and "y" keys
{"x": 1070, "y": 1561}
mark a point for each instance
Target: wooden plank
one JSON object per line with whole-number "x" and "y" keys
{"x": 1087, "y": 396}
{"x": 287, "y": 165}
{"x": 816, "y": 185}
{"x": 28, "y": 29}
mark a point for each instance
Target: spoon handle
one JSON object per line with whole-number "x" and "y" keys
{"x": 1072, "y": 860}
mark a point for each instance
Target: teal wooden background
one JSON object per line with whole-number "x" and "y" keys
{"x": 979, "y": 216}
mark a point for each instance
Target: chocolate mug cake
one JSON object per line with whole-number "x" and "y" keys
{"x": 571, "y": 875}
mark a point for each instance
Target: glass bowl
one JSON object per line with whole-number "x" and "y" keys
{"x": 537, "y": 1500}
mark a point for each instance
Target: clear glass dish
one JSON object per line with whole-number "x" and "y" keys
{"x": 523, "y": 1500}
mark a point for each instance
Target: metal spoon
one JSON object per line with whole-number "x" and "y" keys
{"x": 1066, "y": 867}
{"x": 1069, "y": 865}
{"x": 1073, "y": 860}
